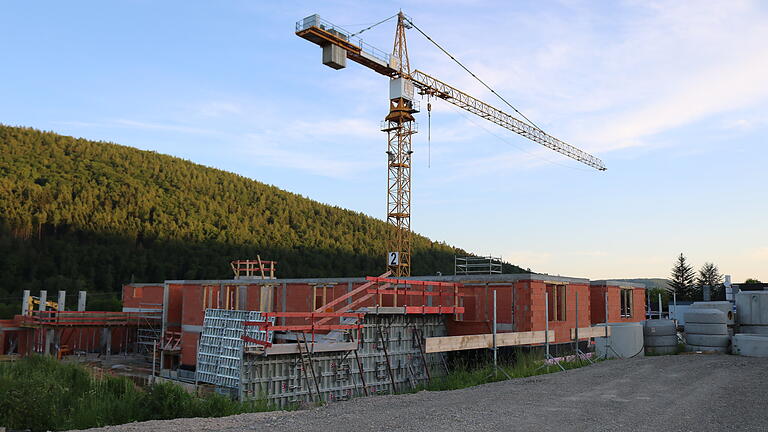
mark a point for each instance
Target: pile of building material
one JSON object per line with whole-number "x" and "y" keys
{"x": 706, "y": 330}
{"x": 221, "y": 347}
{"x": 752, "y": 339}
{"x": 660, "y": 336}
{"x": 388, "y": 357}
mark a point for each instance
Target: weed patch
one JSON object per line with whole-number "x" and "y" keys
{"x": 39, "y": 393}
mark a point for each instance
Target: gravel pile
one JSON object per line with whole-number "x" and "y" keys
{"x": 671, "y": 393}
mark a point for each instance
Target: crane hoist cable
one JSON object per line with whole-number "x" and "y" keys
{"x": 429, "y": 133}
{"x": 373, "y": 25}
{"x": 471, "y": 73}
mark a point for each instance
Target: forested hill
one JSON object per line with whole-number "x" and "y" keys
{"x": 77, "y": 214}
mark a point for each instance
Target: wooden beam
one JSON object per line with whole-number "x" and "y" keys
{"x": 590, "y": 332}
{"x": 481, "y": 341}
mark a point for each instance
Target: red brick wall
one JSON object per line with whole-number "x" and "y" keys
{"x": 135, "y": 296}
{"x": 597, "y": 294}
{"x": 530, "y": 309}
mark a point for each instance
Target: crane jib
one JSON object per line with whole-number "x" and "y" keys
{"x": 432, "y": 86}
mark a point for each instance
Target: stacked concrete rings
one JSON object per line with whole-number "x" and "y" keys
{"x": 660, "y": 336}
{"x": 753, "y": 312}
{"x": 706, "y": 330}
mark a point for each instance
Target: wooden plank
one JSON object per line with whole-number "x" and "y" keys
{"x": 481, "y": 341}
{"x": 590, "y": 332}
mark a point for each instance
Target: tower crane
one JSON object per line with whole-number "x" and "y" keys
{"x": 338, "y": 45}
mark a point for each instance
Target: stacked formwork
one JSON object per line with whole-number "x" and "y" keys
{"x": 221, "y": 349}
{"x": 388, "y": 357}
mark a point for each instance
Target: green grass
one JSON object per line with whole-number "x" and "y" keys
{"x": 526, "y": 363}
{"x": 40, "y": 393}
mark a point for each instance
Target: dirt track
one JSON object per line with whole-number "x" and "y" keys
{"x": 669, "y": 393}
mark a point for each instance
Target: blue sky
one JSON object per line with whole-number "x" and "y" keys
{"x": 673, "y": 97}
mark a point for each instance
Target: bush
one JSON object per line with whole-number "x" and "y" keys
{"x": 34, "y": 388}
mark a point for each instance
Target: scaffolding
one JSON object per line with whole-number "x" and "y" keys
{"x": 149, "y": 328}
{"x": 474, "y": 265}
{"x": 253, "y": 269}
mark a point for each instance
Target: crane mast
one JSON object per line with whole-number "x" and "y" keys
{"x": 399, "y": 124}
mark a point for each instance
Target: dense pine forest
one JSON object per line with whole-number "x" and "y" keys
{"x": 84, "y": 215}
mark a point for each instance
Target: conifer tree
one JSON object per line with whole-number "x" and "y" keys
{"x": 682, "y": 280}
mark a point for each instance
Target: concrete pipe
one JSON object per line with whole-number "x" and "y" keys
{"x": 705, "y": 316}
{"x": 707, "y": 329}
{"x": 708, "y": 340}
{"x": 660, "y": 327}
{"x": 725, "y": 307}
{"x": 661, "y": 341}
{"x": 716, "y": 349}
{"x": 751, "y": 345}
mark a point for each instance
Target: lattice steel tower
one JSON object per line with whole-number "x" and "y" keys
{"x": 400, "y": 127}
{"x": 339, "y": 45}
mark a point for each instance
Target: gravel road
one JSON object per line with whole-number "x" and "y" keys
{"x": 666, "y": 393}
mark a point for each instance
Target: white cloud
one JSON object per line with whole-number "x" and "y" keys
{"x": 659, "y": 67}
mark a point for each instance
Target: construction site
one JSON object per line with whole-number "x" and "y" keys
{"x": 305, "y": 342}
{"x": 296, "y": 341}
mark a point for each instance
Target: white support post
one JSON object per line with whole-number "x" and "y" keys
{"x": 62, "y": 300}
{"x": 661, "y": 307}
{"x": 546, "y": 324}
{"x": 25, "y": 303}
{"x": 43, "y": 299}
{"x": 495, "y": 348}
{"x": 81, "y": 301}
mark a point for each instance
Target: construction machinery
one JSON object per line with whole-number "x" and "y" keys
{"x": 339, "y": 45}
{"x": 35, "y": 301}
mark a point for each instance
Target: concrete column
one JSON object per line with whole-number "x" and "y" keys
{"x": 106, "y": 341}
{"x": 707, "y": 291}
{"x": 81, "y": 301}
{"x": 62, "y": 300}
{"x": 50, "y": 341}
{"x": 25, "y": 302}
{"x": 43, "y": 299}
{"x": 242, "y": 297}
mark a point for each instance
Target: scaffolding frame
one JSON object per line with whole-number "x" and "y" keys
{"x": 474, "y": 265}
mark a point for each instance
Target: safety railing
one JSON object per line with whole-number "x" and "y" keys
{"x": 341, "y": 33}
{"x": 314, "y": 326}
{"x": 87, "y": 318}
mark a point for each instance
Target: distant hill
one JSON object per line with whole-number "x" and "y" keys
{"x": 84, "y": 215}
{"x": 650, "y": 283}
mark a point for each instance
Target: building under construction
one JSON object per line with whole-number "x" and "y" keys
{"x": 301, "y": 340}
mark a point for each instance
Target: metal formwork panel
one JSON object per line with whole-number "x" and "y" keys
{"x": 280, "y": 379}
{"x": 220, "y": 350}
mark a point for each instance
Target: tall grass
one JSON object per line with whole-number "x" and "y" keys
{"x": 39, "y": 393}
{"x": 526, "y": 363}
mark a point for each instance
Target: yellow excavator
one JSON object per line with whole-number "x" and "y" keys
{"x": 33, "y": 303}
